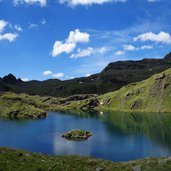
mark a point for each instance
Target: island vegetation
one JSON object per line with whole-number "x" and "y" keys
{"x": 77, "y": 135}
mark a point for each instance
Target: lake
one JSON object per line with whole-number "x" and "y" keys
{"x": 116, "y": 136}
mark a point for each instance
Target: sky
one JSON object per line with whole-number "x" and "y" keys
{"x": 65, "y": 39}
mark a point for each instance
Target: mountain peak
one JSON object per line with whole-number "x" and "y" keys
{"x": 168, "y": 56}
{"x": 11, "y": 79}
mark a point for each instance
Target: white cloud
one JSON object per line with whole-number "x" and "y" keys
{"x": 43, "y": 22}
{"x": 146, "y": 47}
{"x": 102, "y": 50}
{"x": 18, "y": 28}
{"x": 152, "y": 0}
{"x": 40, "y": 2}
{"x": 129, "y": 47}
{"x": 25, "y": 79}
{"x": 133, "y": 48}
{"x": 50, "y": 73}
{"x": 60, "y": 47}
{"x": 58, "y": 75}
{"x": 78, "y": 37}
{"x": 87, "y": 75}
{"x": 162, "y": 37}
{"x": 119, "y": 52}
{"x": 8, "y": 36}
{"x": 47, "y": 73}
{"x": 88, "y": 52}
{"x": 3, "y": 24}
{"x": 88, "y": 2}
{"x": 70, "y": 43}
{"x": 83, "y": 53}
{"x": 32, "y": 26}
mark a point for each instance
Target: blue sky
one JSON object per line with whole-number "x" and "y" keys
{"x": 42, "y": 39}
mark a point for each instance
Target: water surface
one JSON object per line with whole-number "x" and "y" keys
{"x": 116, "y": 136}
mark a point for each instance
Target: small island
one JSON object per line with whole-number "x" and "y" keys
{"x": 77, "y": 135}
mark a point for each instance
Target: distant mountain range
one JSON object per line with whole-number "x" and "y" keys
{"x": 113, "y": 77}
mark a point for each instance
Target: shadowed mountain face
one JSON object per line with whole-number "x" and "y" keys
{"x": 113, "y": 77}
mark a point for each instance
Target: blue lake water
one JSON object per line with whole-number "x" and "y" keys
{"x": 116, "y": 136}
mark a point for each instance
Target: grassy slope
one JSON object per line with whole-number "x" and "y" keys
{"x": 28, "y": 106}
{"x": 151, "y": 95}
{"x": 23, "y": 160}
{"x": 23, "y": 106}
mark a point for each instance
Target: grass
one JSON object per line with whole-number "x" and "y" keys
{"x": 20, "y": 106}
{"x": 151, "y": 95}
{"x": 20, "y": 160}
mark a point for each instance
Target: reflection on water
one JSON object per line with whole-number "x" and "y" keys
{"x": 116, "y": 136}
{"x": 154, "y": 125}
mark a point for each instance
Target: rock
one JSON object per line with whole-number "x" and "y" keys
{"x": 20, "y": 154}
{"x": 137, "y": 168}
{"x": 80, "y": 97}
{"x": 38, "y": 115}
{"x": 136, "y": 104}
{"x": 90, "y": 104}
{"x": 13, "y": 114}
{"x": 164, "y": 161}
{"x": 27, "y": 154}
{"x": 162, "y": 76}
{"x": 105, "y": 101}
{"x": 99, "y": 169}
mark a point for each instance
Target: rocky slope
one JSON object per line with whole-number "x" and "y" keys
{"x": 113, "y": 77}
{"x": 23, "y": 160}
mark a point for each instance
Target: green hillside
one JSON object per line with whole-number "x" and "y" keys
{"x": 151, "y": 95}
{"x": 20, "y": 106}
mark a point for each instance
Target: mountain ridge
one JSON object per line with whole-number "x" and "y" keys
{"x": 114, "y": 76}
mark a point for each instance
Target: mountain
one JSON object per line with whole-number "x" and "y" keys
{"x": 113, "y": 77}
{"x": 151, "y": 95}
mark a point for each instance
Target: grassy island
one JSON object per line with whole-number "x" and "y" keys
{"x": 77, "y": 135}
